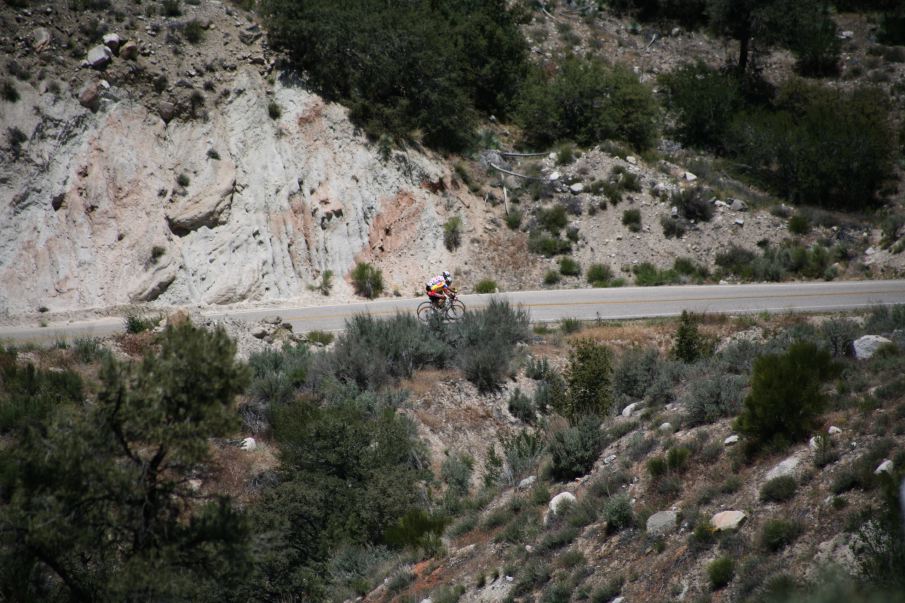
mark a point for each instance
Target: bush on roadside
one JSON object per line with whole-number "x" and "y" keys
{"x": 452, "y": 233}
{"x": 589, "y": 377}
{"x": 367, "y": 280}
{"x": 778, "y": 489}
{"x": 574, "y": 450}
{"x": 776, "y": 534}
{"x": 720, "y": 571}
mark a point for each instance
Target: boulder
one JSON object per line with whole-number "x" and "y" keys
{"x": 40, "y": 39}
{"x": 786, "y": 467}
{"x": 884, "y": 467}
{"x": 554, "y": 176}
{"x": 248, "y": 444}
{"x": 632, "y": 160}
{"x": 210, "y": 209}
{"x": 98, "y": 57}
{"x": 674, "y": 212}
{"x": 739, "y": 222}
{"x": 833, "y": 430}
{"x": 259, "y": 332}
{"x": 733, "y": 439}
{"x": 631, "y": 408}
{"x": 577, "y": 188}
{"x": 689, "y": 177}
{"x": 527, "y": 482}
{"x": 738, "y": 205}
{"x": 661, "y": 523}
{"x": 559, "y": 499}
{"x": 867, "y": 346}
{"x": 90, "y": 95}
{"x": 666, "y": 427}
{"x": 609, "y": 459}
{"x": 728, "y": 521}
{"x": 129, "y": 51}
{"x": 112, "y": 41}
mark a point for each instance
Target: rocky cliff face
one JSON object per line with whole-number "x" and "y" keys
{"x": 119, "y": 206}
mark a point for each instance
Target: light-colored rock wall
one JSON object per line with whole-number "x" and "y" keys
{"x": 93, "y": 194}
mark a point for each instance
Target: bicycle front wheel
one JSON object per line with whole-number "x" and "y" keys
{"x": 456, "y": 310}
{"x": 425, "y": 311}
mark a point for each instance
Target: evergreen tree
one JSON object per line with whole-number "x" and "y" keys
{"x": 96, "y": 504}
{"x": 688, "y": 345}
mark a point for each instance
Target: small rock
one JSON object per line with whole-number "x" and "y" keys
{"x": 739, "y": 222}
{"x": 813, "y": 443}
{"x": 632, "y": 160}
{"x": 529, "y": 548}
{"x": 166, "y": 110}
{"x": 576, "y": 188}
{"x": 847, "y": 34}
{"x": 129, "y": 51}
{"x": 867, "y": 346}
{"x": 689, "y": 177}
{"x": 728, "y": 521}
{"x": 248, "y": 444}
{"x": 98, "y": 57}
{"x": 426, "y": 601}
{"x": 885, "y": 467}
{"x": 40, "y": 39}
{"x": 618, "y": 600}
{"x": 89, "y": 95}
{"x": 674, "y": 212}
{"x": 786, "y": 467}
{"x": 870, "y": 251}
{"x": 259, "y": 332}
{"x": 554, "y": 176}
{"x": 112, "y": 41}
{"x": 833, "y": 430}
{"x": 661, "y": 523}
{"x": 733, "y": 439}
{"x": 666, "y": 426}
{"x": 675, "y": 31}
{"x": 628, "y": 410}
{"x": 609, "y": 459}
{"x": 509, "y": 578}
{"x": 195, "y": 485}
{"x": 527, "y": 482}
{"x": 559, "y": 499}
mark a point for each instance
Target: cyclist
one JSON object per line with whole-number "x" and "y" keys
{"x": 439, "y": 287}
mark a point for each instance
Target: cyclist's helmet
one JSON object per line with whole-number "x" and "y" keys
{"x": 447, "y": 276}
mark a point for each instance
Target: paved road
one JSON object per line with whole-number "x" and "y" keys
{"x": 586, "y": 304}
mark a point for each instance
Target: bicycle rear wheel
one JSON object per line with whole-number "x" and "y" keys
{"x": 456, "y": 310}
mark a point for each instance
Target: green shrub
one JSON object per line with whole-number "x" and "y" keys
{"x": 456, "y": 473}
{"x": 570, "y": 326}
{"x": 677, "y": 458}
{"x": 521, "y": 406}
{"x": 799, "y": 224}
{"x": 688, "y": 344}
{"x": 608, "y": 591}
{"x": 553, "y": 219}
{"x": 367, "y": 280}
{"x": 599, "y": 274}
{"x": 786, "y": 395}
{"x": 617, "y": 512}
{"x": 712, "y": 398}
{"x": 320, "y": 337}
{"x": 588, "y": 102}
{"x": 171, "y": 8}
{"x": 514, "y": 219}
{"x": 548, "y": 246}
{"x": 569, "y": 267}
{"x": 672, "y": 227}
{"x": 656, "y": 467}
{"x": 632, "y": 219}
{"x": 693, "y": 204}
{"x": 648, "y": 275}
{"x": 589, "y": 376}
{"x": 720, "y": 572}
{"x": 136, "y": 323}
{"x": 194, "y": 32}
{"x": 403, "y": 76}
{"x": 183, "y": 180}
{"x": 486, "y": 286}
{"x": 777, "y": 534}
{"x": 552, "y": 277}
{"x": 452, "y": 233}
{"x": 574, "y": 450}
{"x": 486, "y": 341}
{"x": 778, "y": 489}
{"x": 613, "y": 193}
{"x": 274, "y": 111}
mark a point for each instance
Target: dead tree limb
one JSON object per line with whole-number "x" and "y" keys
{"x": 516, "y": 174}
{"x": 514, "y": 154}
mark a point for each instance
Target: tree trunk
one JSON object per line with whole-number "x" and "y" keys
{"x": 743, "y": 43}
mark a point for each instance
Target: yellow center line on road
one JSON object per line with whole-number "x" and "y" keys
{"x": 639, "y": 301}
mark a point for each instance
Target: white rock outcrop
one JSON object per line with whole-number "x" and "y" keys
{"x": 728, "y": 521}
{"x": 661, "y": 523}
{"x": 560, "y": 499}
{"x": 269, "y": 206}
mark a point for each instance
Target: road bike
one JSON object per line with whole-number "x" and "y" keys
{"x": 451, "y": 310}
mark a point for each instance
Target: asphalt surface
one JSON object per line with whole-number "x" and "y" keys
{"x": 546, "y": 306}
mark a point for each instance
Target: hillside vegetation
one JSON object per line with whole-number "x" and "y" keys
{"x": 122, "y": 476}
